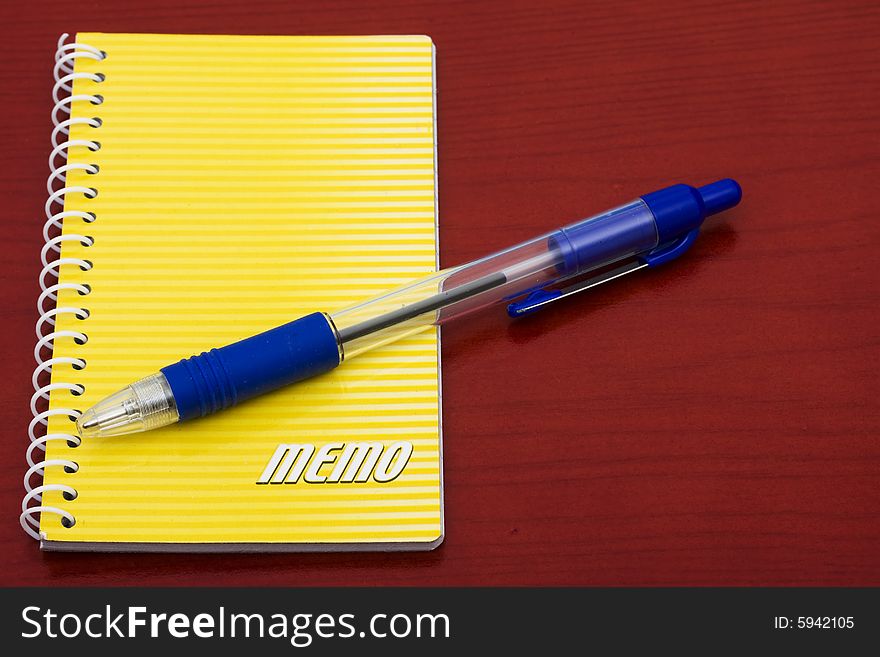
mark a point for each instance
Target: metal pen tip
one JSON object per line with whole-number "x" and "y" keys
{"x": 145, "y": 404}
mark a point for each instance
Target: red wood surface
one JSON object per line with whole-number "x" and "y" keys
{"x": 712, "y": 422}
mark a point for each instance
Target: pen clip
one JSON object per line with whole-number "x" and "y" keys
{"x": 540, "y": 298}
{"x": 671, "y": 250}
{"x": 537, "y": 299}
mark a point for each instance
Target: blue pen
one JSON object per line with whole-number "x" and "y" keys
{"x": 647, "y": 232}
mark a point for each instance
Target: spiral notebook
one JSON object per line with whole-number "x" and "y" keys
{"x": 204, "y": 189}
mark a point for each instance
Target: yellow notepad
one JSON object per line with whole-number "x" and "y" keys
{"x": 241, "y": 182}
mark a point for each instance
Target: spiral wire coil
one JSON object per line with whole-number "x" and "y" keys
{"x": 47, "y": 304}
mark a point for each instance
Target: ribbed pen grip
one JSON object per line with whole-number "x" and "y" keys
{"x": 211, "y": 381}
{"x": 221, "y": 378}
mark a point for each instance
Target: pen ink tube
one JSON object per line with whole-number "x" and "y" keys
{"x": 570, "y": 251}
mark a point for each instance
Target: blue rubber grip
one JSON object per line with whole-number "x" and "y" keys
{"x": 221, "y": 378}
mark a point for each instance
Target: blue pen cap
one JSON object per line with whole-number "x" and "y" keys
{"x": 679, "y": 209}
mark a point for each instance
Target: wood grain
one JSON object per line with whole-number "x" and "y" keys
{"x": 713, "y": 422}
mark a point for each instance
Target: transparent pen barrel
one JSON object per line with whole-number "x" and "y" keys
{"x": 570, "y": 251}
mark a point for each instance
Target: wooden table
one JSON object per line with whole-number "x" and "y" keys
{"x": 711, "y": 422}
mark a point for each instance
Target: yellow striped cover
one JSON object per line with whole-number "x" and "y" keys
{"x": 245, "y": 181}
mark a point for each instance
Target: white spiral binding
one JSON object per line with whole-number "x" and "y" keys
{"x": 62, "y": 95}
